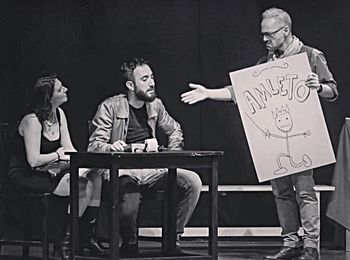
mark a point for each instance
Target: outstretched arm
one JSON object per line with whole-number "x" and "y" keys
{"x": 200, "y": 93}
{"x": 305, "y": 134}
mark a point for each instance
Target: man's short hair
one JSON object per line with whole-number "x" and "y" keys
{"x": 128, "y": 67}
{"x": 279, "y": 14}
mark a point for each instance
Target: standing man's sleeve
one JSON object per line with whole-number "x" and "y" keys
{"x": 320, "y": 67}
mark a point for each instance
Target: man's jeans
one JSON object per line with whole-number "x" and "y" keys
{"x": 290, "y": 204}
{"x": 188, "y": 190}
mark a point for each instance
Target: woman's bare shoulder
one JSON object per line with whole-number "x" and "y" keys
{"x": 29, "y": 122}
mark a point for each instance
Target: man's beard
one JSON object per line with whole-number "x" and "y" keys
{"x": 145, "y": 96}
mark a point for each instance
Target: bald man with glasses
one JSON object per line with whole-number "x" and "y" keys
{"x": 276, "y": 33}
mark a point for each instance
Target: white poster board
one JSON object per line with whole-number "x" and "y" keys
{"x": 282, "y": 118}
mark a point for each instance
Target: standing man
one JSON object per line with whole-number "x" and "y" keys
{"x": 276, "y": 32}
{"x": 125, "y": 119}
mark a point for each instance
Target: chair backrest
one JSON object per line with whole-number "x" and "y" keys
{"x": 7, "y": 133}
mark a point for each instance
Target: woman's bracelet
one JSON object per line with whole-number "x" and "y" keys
{"x": 58, "y": 156}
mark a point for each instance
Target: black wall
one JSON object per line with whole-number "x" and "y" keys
{"x": 186, "y": 41}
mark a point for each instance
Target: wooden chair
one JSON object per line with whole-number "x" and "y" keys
{"x": 7, "y": 133}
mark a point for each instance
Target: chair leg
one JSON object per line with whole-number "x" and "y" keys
{"x": 45, "y": 241}
{"x": 164, "y": 224}
{"x": 1, "y": 221}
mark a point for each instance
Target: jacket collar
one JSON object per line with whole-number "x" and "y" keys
{"x": 122, "y": 110}
{"x": 151, "y": 111}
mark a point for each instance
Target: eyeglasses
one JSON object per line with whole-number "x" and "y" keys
{"x": 270, "y": 35}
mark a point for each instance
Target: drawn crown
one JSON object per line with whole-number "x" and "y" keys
{"x": 280, "y": 111}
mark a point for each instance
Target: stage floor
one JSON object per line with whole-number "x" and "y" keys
{"x": 237, "y": 250}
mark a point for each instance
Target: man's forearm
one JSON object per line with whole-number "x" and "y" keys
{"x": 327, "y": 92}
{"x": 221, "y": 94}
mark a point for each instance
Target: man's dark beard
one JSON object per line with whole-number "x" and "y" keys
{"x": 145, "y": 97}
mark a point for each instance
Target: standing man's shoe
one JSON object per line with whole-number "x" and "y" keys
{"x": 285, "y": 253}
{"x": 308, "y": 253}
{"x": 129, "y": 250}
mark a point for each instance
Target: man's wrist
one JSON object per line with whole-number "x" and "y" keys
{"x": 208, "y": 94}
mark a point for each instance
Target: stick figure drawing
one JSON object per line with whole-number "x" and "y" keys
{"x": 284, "y": 123}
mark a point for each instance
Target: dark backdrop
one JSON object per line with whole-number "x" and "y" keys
{"x": 186, "y": 41}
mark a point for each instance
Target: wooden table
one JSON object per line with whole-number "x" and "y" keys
{"x": 127, "y": 160}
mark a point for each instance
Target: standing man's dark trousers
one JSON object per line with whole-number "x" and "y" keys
{"x": 293, "y": 208}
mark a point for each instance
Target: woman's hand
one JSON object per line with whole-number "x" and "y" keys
{"x": 62, "y": 156}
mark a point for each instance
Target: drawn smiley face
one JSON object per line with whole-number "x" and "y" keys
{"x": 284, "y": 122}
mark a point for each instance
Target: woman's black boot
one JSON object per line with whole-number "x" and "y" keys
{"x": 62, "y": 248}
{"x": 94, "y": 248}
{"x": 89, "y": 244}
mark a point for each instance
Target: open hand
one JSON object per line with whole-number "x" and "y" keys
{"x": 307, "y": 133}
{"x": 267, "y": 133}
{"x": 198, "y": 93}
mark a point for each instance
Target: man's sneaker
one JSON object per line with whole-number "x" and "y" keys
{"x": 179, "y": 251}
{"x": 308, "y": 253}
{"x": 285, "y": 253}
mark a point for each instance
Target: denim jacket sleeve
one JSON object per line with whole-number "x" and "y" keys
{"x": 171, "y": 128}
{"x": 102, "y": 124}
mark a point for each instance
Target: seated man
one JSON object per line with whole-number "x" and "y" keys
{"x": 133, "y": 118}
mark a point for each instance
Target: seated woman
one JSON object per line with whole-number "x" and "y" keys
{"x": 44, "y": 138}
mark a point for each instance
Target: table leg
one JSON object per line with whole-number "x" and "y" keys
{"x": 169, "y": 229}
{"x": 213, "y": 211}
{"x": 114, "y": 218}
{"x": 164, "y": 224}
{"x": 74, "y": 207}
{"x": 45, "y": 241}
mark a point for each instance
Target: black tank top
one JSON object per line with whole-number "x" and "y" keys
{"x": 18, "y": 161}
{"x": 48, "y": 146}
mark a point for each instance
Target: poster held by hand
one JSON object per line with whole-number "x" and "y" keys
{"x": 282, "y": 118}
